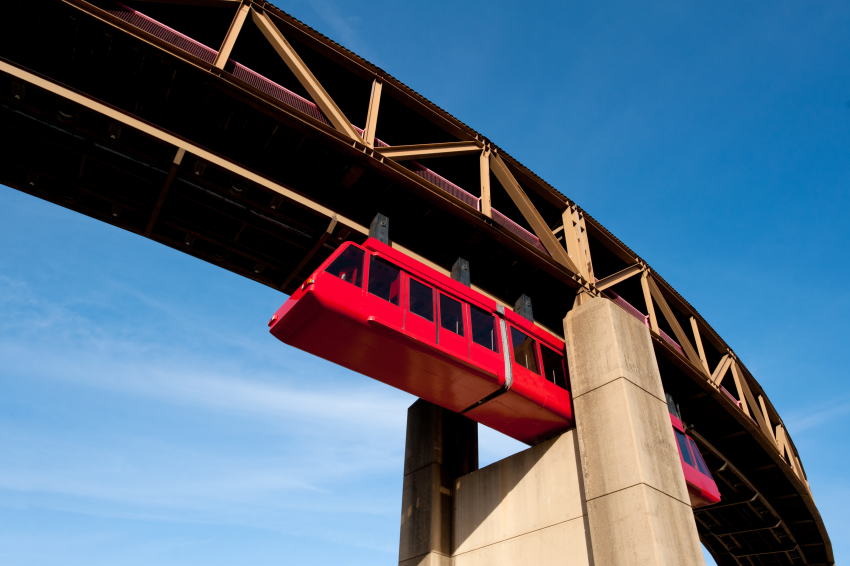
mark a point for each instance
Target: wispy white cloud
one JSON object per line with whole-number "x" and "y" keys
{"x": 815, "y": 416}
{"x": 335, "y": 431}
{"x": 343, "y": 26}
{"x": 72, "y": 347}
{"x": 328, "y": 433}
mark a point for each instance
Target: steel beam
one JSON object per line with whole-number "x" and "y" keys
{"x": 671, "y": 319}
{"x": 530, "y": 213}
{"x": 619, "y": 277}
{"x": 372, "y": 114}
{"x": 700, "y": 347}
{"x": 575, "y": 239}
{"x": 177, "y": 142}
{"x": 426, "y": 150}
{"x": 306, "y": 77}
{"x": 720, "y": 371}
{"x": 163, "y": 192}
{"x": 647, "y": 299}
{"x": 232, "y": 34}
{"x": 486, "y": 202}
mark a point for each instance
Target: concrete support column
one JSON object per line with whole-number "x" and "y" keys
{"x": 638, "y": 510}
{"x": 441, "y": 446}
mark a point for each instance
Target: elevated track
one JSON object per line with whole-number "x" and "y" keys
{"x": 233, "y": 132}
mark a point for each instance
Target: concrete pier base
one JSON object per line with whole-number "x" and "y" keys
{"x": 637, "y": 501}
{"x": 527, "y": 509}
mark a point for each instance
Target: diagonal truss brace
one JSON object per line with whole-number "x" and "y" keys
{"x": 530, "y": 213}
{"x": 230, "y": 38}
{"x": 307, "y": 79}
{"x": 671, "y": 319}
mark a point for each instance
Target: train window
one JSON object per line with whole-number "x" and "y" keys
{"x": 483, "y": 328}
{"x": 348, "y": 266}
{"x": 421, "y": 299}
{"x": 698, "y": 457}
{"x": 384, "y": 280}
{"x": 524, "y": 350}
{"x": 683, "y": 448}
{"x": 553, "y": 367}
{"x": 451, "y": 314}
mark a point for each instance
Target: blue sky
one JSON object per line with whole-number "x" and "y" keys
{"x": 148, "y": 417}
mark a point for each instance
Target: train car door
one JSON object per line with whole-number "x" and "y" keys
{"x": 420, "y": 317}
{"x": 484, "y": 348}
{"x": 451, "y": 332}
{"x": 383, "y": 297}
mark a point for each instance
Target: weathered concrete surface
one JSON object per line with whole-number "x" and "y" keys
{"x": 643, "y": 526}
{"x": 440, "y": 447}
{"x": 637, "y": 508}
{"x": 525, "y": 509}
{"x": 634, "y": 428}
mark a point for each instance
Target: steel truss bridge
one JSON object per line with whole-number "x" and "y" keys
{"x": 231, "y": 131}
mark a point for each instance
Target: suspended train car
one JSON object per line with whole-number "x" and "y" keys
{"x": 379, "y": 312}
{"x": 376, "y": 311}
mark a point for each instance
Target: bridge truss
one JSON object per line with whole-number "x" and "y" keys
{"x": 233, "y": 132}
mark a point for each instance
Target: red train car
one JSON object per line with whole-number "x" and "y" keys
{"x": 379, "y": 312}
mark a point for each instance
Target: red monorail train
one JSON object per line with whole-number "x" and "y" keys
{"x": 379, "y": 312}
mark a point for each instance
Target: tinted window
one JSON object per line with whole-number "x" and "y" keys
{"x": 421, "y": 299}
{"x": 524, "y": 350}
{"x": 384, "y": 280}
{"x": 348, "y": 266}
{"x": 451, "y": 315}
{"x": 698, "y": 457}
{"x": 553, "y": 367}
{"x": 483, "y": 328}
{"x": 683, "y": 448}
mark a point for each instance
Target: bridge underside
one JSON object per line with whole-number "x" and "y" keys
{"x": 96, "y": 165}
{"x": 216, "y": 169}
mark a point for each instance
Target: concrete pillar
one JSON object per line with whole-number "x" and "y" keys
{"x": 638, "y": 510}
{"x": 440, "y": 447}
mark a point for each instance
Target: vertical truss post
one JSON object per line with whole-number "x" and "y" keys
{"x": 486, "y": 202}
{"x": 372, "y": 114}
{"x": 575, "y": 238}
{"x": 647, "y": 298}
